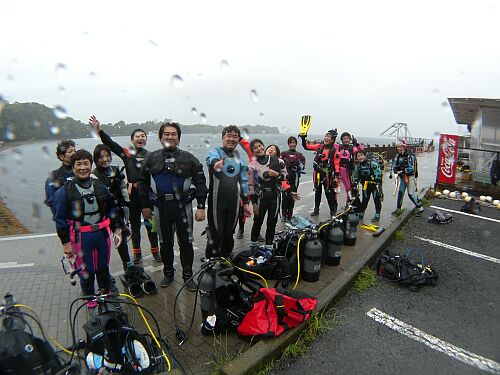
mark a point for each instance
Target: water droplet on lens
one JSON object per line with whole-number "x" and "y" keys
{"x": 60, "y": 112}
{"x": 177, "y": 81}
{"x": 61, "y": 70}
{"x": 62, "y": 90}
{"x": 224, "y": 64}
{"x": 153, "y": 43}
{"x": 36, "y": 124}
{"x": 10, "y": 133}
{"x": 41, "y": 251}
{"x": 435, "y": 92}
{"x": 54, "y": 129}
{"x": 261, "y": 115}
{"x": 45, "y": 149}
{"x": 10, "y": 77}
{"x": 203, "y": 118}
{"x": 253, "y": 95}
{"x": 194, "y": 111}
{"x": 461, "y": 73}
{"x": 131, "y": 150}
{"x": 36, "y": 211}
{"x": 92, "y": 75}
{"x": 207, "y": 143}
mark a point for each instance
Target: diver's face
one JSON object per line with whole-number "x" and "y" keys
{"x": 327, "y": 139}
{"x": 292, "y": 145}
{"x": 346, "y": 140}
{"x": 361, "y": 157}
{"x": 258, "y": 149}
{"x": 230, "y": 140}
{"x": 139, "y": 139}
{"x": 66, "y": 159}
{"x": 81, "y": 169}
{"x": 104, "y": 159}
{"x": 271, "y": 150}
{"x": 169, "y": 137}
{"x": 400, "y": 148}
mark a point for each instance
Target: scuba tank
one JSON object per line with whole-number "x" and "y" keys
{"x": 334, "y": 241}
{"x": 207, "y": 292}
{"x": 351, "y": 227}
{"x": 313, "y": 251}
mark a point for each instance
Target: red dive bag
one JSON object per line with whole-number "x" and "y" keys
{"x": 274, "y": 312}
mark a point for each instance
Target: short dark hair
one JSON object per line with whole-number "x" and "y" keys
{"x": 254, "y": 141}
{"x": 290, "y": 139}
{"x": 361, "y": 151}
{"x": 98, "y": 149}
{"x": 63, "y": 146}
{"x": 278, "y": 152}
{"x": 172, "y": 125}
{"x": 138, "y": 130}
{"x": 231, "y": 129}
{"x": 81, "y": 155}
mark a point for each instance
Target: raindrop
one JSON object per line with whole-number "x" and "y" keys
{"x": 461, "y": 73}
{"x": 94, "y": 134}
{"x": 41, "y": 251}
{"x": 253, "y": 95}
{"x": 207, "y": 143}
{"x": 194, "y": 111}
{"x": 10, "y": 134}
{"x": 36, "y": 124}
{"x": 60, "y": 112}
{"x": 62, "y": 90}
{"x": 45, "y": 149}
{"x": 246, "y": 134}
{"x": 203, "y": 118}
{"x": 54, "y": 129}
{"x": 445, "y": 105}
{"x": 153, "y": 43}
{"x": 261, "y": 115}
{"x": 36, "y": 211}
{"x": 92, "y": 75}
{"x": 435, "y": 92}
{"x": 177, "y": 81}
{"x": 224, "y": 64}
{"x": 61, "y": 70}
{"x": 131, "y": 150}
{"x": 10, "y": 77}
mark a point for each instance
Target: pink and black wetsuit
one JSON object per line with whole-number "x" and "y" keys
{"x": 347, "y": 155}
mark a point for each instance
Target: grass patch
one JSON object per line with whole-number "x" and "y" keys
{"x": 425, "y": 202}
{"x": 399, "y": 212}
{"x": 266, "y": 370}
{"x": 399, "y": 235}
{"x": 365, "y": 280}
{"x": 221, "y": 354}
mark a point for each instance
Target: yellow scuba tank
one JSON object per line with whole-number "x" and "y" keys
{"x": 305, "y": 124}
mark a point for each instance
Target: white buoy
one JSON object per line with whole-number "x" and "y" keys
{"x": 453, "y": 195}
{"x": 489, "y": 199}
{"x": 437, "y": 194}
{"x": 496, "y": 202}
{"x": 464, "y": 194}
{"x": 482, "y": 198}
{"x": 467, "y": 199}
{"x": 498, "y": 207}
{"x": 446, "y": 192}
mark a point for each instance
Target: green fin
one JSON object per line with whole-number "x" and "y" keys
{"x": 305, "y": 124}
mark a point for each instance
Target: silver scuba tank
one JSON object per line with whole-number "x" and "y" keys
{"x": 351, "y": 227}
{"x": 313, "y": 251}
{"x": 334, "y": 241}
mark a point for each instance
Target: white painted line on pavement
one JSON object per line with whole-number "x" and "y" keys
{"x": 466, "y": 214}
{"x": 460, "y": 250}
{"x": 15, "y": 265}
{"x": 306, "y": 182}
{"x": 432, "y": 342}
{"x": 28, "y": 237}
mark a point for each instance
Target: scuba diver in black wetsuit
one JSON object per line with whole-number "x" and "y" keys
{"x": 114, "y": 179}
{"x": 265, "y": 174}
{"x": 165, "y": 183}
{"x": 295, "y": 163}
{"x": 228, "y": 183}
{"x": 58, "y": 177}
{"x": 132, "y": 159}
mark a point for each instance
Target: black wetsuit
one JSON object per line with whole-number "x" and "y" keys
{"x": 266, "y": 191}
{"x": 294, "y": 162}
{"x": 133, "y": 163}
{"x": 166, "y": 179}
{"x": 225, "y": 190}
{"x": 114, "y": 180}
{"x": 56, "y": 179}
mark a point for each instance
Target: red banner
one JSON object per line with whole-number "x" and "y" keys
{"x": 448, "y": 150}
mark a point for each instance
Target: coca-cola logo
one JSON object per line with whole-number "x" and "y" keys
{"x": 448, "y": 156}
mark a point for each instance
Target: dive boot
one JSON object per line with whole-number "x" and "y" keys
{"x": 376, "y": 218}
{"x": 419, "y": 212}
{"x": 315, "y": 212}
{"x": 133, "y": 281}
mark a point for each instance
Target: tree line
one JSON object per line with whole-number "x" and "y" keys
{"x": 35, "y": 121}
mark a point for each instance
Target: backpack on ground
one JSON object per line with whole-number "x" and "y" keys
{"x": 275, "y": 311}
{"x": 440, "y": 217}
{"x": 471, "y": 207}
{"x": 406, "y": 271}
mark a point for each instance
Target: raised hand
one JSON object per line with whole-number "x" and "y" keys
{"x": 94, "y": 123}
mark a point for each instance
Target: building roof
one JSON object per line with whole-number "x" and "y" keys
{"x": 466, "y": 110}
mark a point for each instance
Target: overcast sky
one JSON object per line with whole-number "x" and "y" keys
{"x": 359, "y": 66}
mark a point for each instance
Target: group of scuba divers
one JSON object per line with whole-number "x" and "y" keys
{"x": 94, "y": 207}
